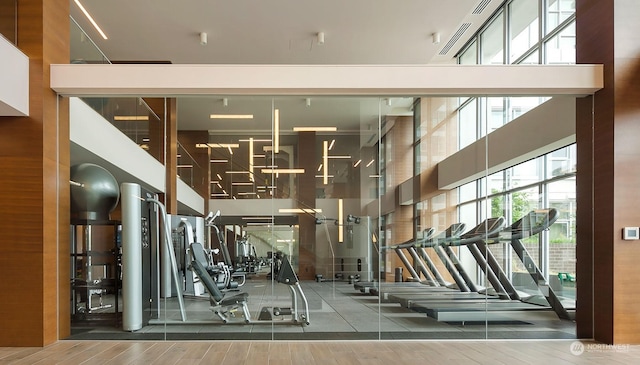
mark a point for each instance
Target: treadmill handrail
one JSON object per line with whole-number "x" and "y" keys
{"x": 542, "y": 219}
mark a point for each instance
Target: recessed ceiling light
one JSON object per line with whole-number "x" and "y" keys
{"x": 231, "y": 116}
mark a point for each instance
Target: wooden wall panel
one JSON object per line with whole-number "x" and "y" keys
{"x": 8, "y": 19}
{"x": 306, "y": 190}
{"x": 607, "y": 33}
{"x": 202, "y": 172}
{"x": 627, "y": 179}
{"x": 34, "y": 157}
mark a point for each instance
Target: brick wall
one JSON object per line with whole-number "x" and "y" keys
{"x": 562, "y": 257}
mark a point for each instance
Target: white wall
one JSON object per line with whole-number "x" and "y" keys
{"x": 14, "y": 80}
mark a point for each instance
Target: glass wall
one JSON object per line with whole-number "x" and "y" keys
{"x": 344, "y": 218}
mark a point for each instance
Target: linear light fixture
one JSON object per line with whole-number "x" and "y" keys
{"x": 217, "y": 145}
{"x": 231, "y": 116}
{"x": 246, "y": 193}
{"x": 219, "y": 177}
{"x": 184, "y": 166}
{"x": 357, "y": 163}
{"x": 131, "y": 118}
{"x": 340, "y": 218}
{"x": 276, "y": 131}
{"x": 219, "y": 186}
{"x": 370, "y": 163}
{"x": 322, "y": 176}
{"x": 282, "y": 171}
{"x": 320, "y": 167}
{"x": 315, "y": 129}
{"x": 93, "y": 22}
{"x": 237, "y": 172}
{"x": 222, "y": 160}
{"x": 219, "y": 195}
{"x": 333, "y": 141}
{"x": 251, "y": 159}
{"x": 325, "y": 162}
{"x": 237, "y": 183}
{"x": 254, "y": 139}
{"x": 340, "y": 156}
{"x": 299, "y": 210}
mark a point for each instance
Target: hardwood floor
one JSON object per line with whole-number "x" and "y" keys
{"x": 303, "y": 352}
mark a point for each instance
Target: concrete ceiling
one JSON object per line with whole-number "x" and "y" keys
{"x": 282, "y": 32}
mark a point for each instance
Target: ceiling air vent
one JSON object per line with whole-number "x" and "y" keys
{"x": 447, "y": 47}
{"x": 480, "y": 8}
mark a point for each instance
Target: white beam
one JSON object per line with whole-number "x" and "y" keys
{"x": 408, "y": 80}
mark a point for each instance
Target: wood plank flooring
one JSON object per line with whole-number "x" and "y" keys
{"x": 322, "y": 352}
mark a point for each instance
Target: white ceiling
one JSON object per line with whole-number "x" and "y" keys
{"x": 281, "y": 32}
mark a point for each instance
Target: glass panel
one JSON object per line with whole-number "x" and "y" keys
{"x": 470, "y": 55}
{"x": 562, "y": 238}
{"x": 467, "y": 192}
{"x": 523, "y": 27}
{"x": 468, "y": 124}
{"x": 492, "y": 42}
{"x": 82, "y": 48}
{"x": 494, "y": 115}
{"x": 558, "y": 11}
{"x": 532, "y": 59}
{"x": 524, "y": 174}
{"x": 561, "y": 49}
{"x": 521, "y": 105}
{"x": 562, "y": 161}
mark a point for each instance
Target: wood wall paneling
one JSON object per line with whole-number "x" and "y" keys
{"x": 306, "y": 196}
{"x": 34, "y": 189}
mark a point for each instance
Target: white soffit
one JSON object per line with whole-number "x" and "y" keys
{"x": 468, "y": 80}
{"x": 14, "y": 80}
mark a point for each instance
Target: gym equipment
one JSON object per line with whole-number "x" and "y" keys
{"x": 140, "y": 257}
{"x": 227, "y": 307}
{"x": 94, "y": 242}
{"x": 94, "y": 192}
{"x": 496, "y": 308}
{"x": 227, "y": 275}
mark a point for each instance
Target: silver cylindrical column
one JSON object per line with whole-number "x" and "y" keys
{"x": 131, "y": 257}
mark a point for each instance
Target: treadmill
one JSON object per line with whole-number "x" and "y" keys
{"x": 531, "y": 224}
{"x": 435, "y": 280}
